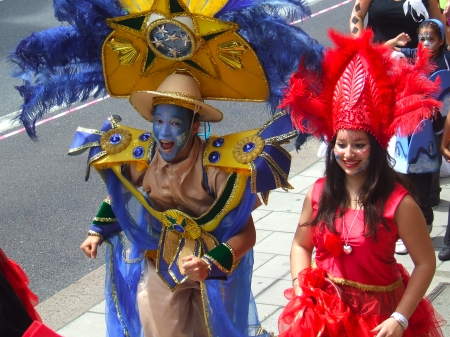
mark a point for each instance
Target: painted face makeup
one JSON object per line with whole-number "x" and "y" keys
{"x": 430, "y": 39}
{"x": 171, "y": 129}
{"x": 352, "y": 151}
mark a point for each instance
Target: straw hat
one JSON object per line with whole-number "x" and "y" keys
{"x": 178, "y": 89}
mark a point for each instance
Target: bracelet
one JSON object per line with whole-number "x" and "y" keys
{"x": 93, "y": 233}
{"x": 402, "y": 320}
{"x": 222, "y": 256}
{"x": 294, "y": 279}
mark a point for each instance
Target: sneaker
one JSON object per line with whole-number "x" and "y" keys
{"x": 444, "y": 254}
{"x": 400, "y": 248}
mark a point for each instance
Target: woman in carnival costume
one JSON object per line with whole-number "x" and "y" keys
{"x": 177, "y": 221}
{"x": 353, "y": 216}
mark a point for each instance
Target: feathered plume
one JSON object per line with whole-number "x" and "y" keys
{"x": 383, "y": 97}
{"x": 61, "y": 66}
{"x": 279, "y": 45}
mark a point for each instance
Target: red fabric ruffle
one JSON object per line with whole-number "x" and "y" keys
{"x": 327, "y": 310}
{"x": 19, "y": 282}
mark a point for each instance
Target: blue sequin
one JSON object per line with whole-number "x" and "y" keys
{"x": 138, "y": 152}
{"x": 214, "y": 157}
{"x": 248, "y": 147}
{"x": 218, "y": 142}
{"x": 115, "y": 139}
{"x": 178, "y": 228}
{"x": 144, "y": 137}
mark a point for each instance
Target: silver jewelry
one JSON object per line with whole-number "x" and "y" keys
{"x": 346, "y": 247}
{"x": 402, "y": 320}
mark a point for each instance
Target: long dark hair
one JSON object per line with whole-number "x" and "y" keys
{"x": 380, "y": 182}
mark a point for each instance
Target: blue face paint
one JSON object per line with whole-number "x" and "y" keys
{"x": 171, "y": 129}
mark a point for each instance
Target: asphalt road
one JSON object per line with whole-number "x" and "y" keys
{"x": 45, "y": 205}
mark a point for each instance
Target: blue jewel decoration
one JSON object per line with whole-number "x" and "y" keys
{"x": 218, "y": 142}
{"x": 115, "y": 139}
{"x": 144, "y": 137}
{"x": 138, "y": 152}
{"x": 248, "y": 147}
{"x": 214, "y": 157}
{"x": 178, "y": 228}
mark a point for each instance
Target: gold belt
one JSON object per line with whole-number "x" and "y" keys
{"x": 366, "y": 287}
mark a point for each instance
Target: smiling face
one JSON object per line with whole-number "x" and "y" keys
{"x": 430, "y": 39}
{"x": 352, "y": 151}
{"x": 171, "y": 129}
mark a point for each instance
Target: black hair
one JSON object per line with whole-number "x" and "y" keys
{"x": 434, "y": 26}
{"x": 378, "y": 185}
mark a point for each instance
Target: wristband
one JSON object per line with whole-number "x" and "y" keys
{"x": 93, "y": 233}
{"x": 402, "y": 320}
{"x": 222, "y": 257}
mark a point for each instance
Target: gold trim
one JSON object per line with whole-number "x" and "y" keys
{"x": 97, "y": 156}
{"x": 104, "y": 219}
{"x": 92, "y": 131}
{"x": 125, "y": 50}
{"x": 83, "y": 147}
{"x": 365, "y": 287}
{"x": 247, "y": 157}
{"x": 115, "y": 148}
{"x": 205, "y": 305}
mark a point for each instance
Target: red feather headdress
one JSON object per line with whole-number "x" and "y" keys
{"x": 362, "y": 88}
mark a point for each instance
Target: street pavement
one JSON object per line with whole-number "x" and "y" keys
{"x": 275, "y": 227}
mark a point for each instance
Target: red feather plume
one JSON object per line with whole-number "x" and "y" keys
{"x": 362, "y": 88}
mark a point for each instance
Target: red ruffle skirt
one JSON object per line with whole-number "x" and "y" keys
{"x": 329, "y": 310}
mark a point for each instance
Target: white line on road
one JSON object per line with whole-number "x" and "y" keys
{"x": 9, "y": 122}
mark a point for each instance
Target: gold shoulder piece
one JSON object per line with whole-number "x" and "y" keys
{"x": 123, "y": 144}
{"x": 233, "y": 152}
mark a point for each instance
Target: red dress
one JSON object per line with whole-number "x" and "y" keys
{"x": 348, "y": 295}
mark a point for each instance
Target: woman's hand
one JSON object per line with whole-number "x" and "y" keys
{"x": 90, "y": 246}
{"x": 388, "y": 328}
{"x": 194, "y": 268}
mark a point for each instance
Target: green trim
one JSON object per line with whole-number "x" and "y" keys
{"x": 212, "y": 36}
{"x": 134, "y": 23}
{"x": 195, "y": 65}
{"x": 175, "y": 7}
{"x": 221, "y": 202}
{"x": 149, "y": 60}
{"x": 221, "y": 255}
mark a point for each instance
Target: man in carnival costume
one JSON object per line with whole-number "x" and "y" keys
{"x": 178, "y": 220}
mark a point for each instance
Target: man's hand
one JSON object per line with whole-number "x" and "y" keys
{"x": 90, "y": 245}
{"x": 194, "y": 268}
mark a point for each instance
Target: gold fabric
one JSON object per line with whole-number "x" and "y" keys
{"x": 179, "y": 185}
{"x": 166, "y": 313}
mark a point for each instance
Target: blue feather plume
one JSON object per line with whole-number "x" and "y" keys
{"x": 62, "y": 65}
{"x": 279, "y": 45}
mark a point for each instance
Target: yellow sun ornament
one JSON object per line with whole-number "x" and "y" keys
{"x": 163, "y": 36}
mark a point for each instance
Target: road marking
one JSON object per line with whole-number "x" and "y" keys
{"x": 322, "y": 11}
{"x": 9, "y": 122}
{"x": 64, "y": 113}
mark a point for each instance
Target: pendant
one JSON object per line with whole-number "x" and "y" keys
{"x": 347, "y": 249}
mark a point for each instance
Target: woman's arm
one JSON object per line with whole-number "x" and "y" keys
{"x": 445, "y": 143}
{"x": 413, "y": 231}
{"x": 359, "y": 12}
{"x": 302, "y": 245}
{"x": 435, "y": 12}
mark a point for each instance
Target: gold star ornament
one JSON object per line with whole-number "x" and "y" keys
{"x": 146, "y": 46}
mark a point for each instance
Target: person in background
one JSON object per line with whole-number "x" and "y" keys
{"x": 389, "y": 18}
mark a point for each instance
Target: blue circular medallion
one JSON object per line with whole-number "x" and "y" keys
{"x": 171, "y": 39}
{"x": 248, "y": 147}
{"x": 115, "y": 139}
{"x": 138, "y": 152}
{"x": 218, "y": 142}
{"x": 144, "y": 137}
{"x": 214, "y": 157}
{"x": 178, "y": 228}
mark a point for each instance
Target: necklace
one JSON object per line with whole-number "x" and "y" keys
{"x": 346, "y": 247}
